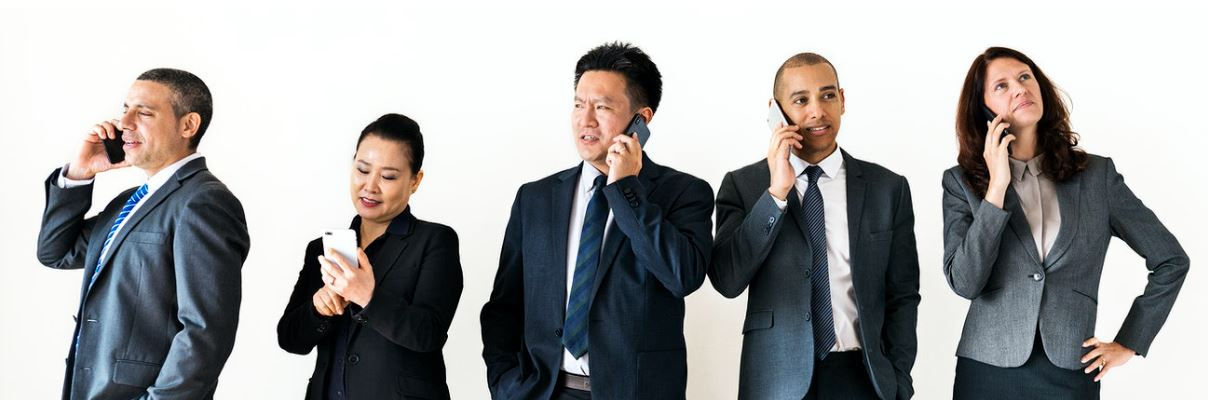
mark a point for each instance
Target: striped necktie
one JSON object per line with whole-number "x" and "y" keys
{"x": 117, "y": 223}
{"x": 820, "y": 299}
{"x": 574, "y": 329}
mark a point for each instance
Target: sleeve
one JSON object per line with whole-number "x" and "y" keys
{"x": 744, "y": 237}
{"x": 63, "y": 239}
{"x": 674, "y": 244}
{"x": 502, "y": 318}
{"x": 301, "y": 328}
{"x": 902, "y": 298}
{"x": 1165, "y": 259}
{"x": 971, "y": 238}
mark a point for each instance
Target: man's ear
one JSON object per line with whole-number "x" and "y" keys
{"x": 189, "y": 124}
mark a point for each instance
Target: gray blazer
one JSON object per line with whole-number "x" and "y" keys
{"x": 991, "y": 259}
{"x": 160, "y": 320}
{"x": 762, "y": 247}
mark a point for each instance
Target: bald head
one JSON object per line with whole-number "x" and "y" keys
{"x": 801, "y": 60}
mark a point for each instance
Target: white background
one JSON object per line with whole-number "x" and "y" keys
{"x": 491, "y": 87}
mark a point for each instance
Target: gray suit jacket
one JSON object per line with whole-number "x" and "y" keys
{"x": 760, "y": 246}
{"x": 991, "y": 259}
{"x": 159, "y": 322}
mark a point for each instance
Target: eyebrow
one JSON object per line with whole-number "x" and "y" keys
{"x": 821, "y": 89}
{"x": 139, "y": 105}
{"x": 359, "y": 161}
{"x": 604, "y": 99}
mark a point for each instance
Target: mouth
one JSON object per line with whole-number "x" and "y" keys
{"x": 1024, "y": 104}
{"x": 819, "y": 130}
{"x": 369, "y": 203}
{"x": 588, "y": 138}
{"x": 130, "y": 144}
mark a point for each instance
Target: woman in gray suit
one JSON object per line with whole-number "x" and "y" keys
{"x": 1027, "y": 219}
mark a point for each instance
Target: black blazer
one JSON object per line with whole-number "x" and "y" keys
{"x": 766, "y": 249}
{"x": 394, "y": 349}
{"x": 655, "y": 253}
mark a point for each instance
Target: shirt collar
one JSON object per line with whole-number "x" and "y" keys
{"x": 1032, "y": 167}
{"x": 587, "y": 177}
{"x": 400, "y": 225}
{"x": 830, "y": 165}
{"x": 161, "y": 177}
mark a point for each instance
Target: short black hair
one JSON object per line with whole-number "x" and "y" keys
{"x": 398, "y": 128}
{"x": 189, "y": 94}
{"x": 800, "y": 60}
{"x": 643, "y": 83}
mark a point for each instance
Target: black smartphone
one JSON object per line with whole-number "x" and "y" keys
{"x": 113, "y": 148}
{"x": 990, "y": 116}
{"x": 637, "y": 127}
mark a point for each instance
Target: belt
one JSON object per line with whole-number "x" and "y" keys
{"x": 572, "y": 381}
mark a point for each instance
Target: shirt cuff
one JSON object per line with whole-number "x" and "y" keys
{"x": 781, "y": 204}
{"x": 67, "y": 183}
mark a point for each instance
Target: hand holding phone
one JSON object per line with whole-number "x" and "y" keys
{"x": 776, "y": 116}
{"x": 342, "y": 242}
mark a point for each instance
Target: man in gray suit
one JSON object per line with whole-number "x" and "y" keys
{"x": 826, "y": 244}
{"x": 161, "y": 290}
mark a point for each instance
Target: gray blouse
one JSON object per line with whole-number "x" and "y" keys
{"x": 1038, "y": 197}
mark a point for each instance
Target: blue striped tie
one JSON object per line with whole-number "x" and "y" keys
{"x": 820, "y": 300}
{"x": 574, "y": 329}
{"x": 121, "y": 216}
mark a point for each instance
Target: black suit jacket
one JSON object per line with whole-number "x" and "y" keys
{"x": 394, "y": 348}
{"x": 767, "y": 249}
{"x": 655, "y": 253}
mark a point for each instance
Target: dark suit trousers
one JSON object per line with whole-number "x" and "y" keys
{"x": 561, "y": 393}
{"x": 1036, "y": 379}
{"x": 841, "y": 376}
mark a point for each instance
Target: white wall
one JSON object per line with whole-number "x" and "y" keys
{"x": 491, "y": 86}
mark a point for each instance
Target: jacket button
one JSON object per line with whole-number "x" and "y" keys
{"x": 771, "y": 221}
{"x": 354, "y": 359}
{"x": 558, "y": 332}
{"x": 1037, "y": 277}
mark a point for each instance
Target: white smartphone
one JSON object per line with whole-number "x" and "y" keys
{"x": 776, "y": 116}
{"x": 343, "y": 242}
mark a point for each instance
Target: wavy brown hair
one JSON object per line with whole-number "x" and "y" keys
{"x": 1055, "y": 140}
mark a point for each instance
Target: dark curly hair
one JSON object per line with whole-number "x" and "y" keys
{"x": 1055, "y": 140}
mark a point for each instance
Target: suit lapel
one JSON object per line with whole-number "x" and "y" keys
{"x": 1019, "y": 224}
{"x": 561, "y": 195}
{"x": 797, "y": 218}
{"x": 383, "y": 263}
{"x": 855, "y": 203}
{"x": 154, "y": 200}
{"x": 1068, "y": 194}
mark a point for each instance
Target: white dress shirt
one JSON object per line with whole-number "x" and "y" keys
{"x": 1038, "y": 198}
{"x": 578, "y": 212}
{"x": 833, "y": 185}
{"x": 154, "y": 182}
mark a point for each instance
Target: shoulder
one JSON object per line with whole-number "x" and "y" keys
{"x": 435, "y": 231}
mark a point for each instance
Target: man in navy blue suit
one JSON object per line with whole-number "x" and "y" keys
{"x": 597, "y": 259}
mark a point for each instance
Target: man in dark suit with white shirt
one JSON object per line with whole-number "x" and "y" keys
{"x": 160, "y": 298}
{"x": 825, "y": 242}
{"x": 597, "y": 259}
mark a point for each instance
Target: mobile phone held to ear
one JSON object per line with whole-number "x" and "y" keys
{"x": 637, "y": 127}
{"x": 990, "y": 116}
{"x": 776, "y": 116}
{"x": 344, "y": 243}
{"x": 113, "y": 148}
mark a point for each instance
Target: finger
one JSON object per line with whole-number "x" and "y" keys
{"x": 793, "y": 141}
{"x": 626, "y": 139}
{"x": 1006, "y": 143}
{"x": 327, "y": 303}
{"x": 1103, "y": 372}
{"x": 110, "y": 129}
{"x": 363, "y": 259}
{"x": 330, "y": 271}
{"x": 1093, "y": 341}
{"x": 1094, "y": 361}
{"x": 321, "y": 306}
{"x": 340, "y": 262}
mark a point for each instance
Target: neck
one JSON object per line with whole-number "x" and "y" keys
{"x": 815, "y": 156}
{"x": 1023, "y": 148}
{"x": 601, "y": 166}
{"x": 371, "y": 230}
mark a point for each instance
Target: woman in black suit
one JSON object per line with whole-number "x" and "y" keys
{"x": 1028, "y": 217}
{"x": 380, "y": 326}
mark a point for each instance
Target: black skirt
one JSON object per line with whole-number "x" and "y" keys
{"x": 1037, "y": 378}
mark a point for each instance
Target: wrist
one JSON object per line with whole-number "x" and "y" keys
{"x": 76, "y": 173}
{"x": 779, "y": 194}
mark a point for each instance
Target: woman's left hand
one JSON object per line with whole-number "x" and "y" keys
{"x": 1106, "y": 355}
{"x": 353, "y": 283}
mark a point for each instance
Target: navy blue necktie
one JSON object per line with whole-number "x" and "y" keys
{"x": 574, "y": 329}
{"x": 820, "y": 300}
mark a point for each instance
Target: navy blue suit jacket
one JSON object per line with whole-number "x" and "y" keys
{"x": 655, "y": 253}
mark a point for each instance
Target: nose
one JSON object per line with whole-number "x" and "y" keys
{"x": 813, "y": 111}
{"x": 126, "y": 122}
{"x": 372, "y": 183}
{"x": 587, "y": 118}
